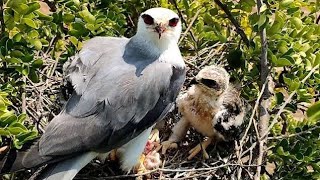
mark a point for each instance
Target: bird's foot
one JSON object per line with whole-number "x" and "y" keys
{"x": 113, "y": 155}
{"x": 168, "y": 145}
{"x": 154, "y": 135}
{"x": 200, "y": 147}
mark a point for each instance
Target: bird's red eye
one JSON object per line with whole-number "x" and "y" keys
{"x": 173, "y": 22}
{"x": 147, "y": 19}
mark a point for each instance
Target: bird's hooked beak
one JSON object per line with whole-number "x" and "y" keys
{"x": 160, "y": 28}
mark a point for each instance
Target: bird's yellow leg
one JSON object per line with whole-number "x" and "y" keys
{"x": 201, "y": 146}
{"x": 154, "y": 135}
{"x": 179, "y": 131}
{"x": 113, "y": 155}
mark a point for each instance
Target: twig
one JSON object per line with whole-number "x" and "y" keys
{"x": 264, "y": 116}
{"x": 296, "y": 134}
{"x": 189, "y": 26}
{"x": 208, "y": 58}
{"x": 23, "y": 95}
{"x": 253, "y": 113}
{"x": 275, "y": 119}
{"x": 183, "y": 20}
{"x": 3, "y": 27}
{"x": 171, "y": 170}
{"x": 234, "y": 22}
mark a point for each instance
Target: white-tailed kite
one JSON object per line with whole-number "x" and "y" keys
{"x": 122, "y": 88}
{"x": 212, "y": 106}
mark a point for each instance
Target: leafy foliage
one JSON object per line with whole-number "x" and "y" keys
{"x": 38, "y": 35}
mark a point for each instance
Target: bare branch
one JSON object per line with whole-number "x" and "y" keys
{"x": 275, "y": 119}
{"x": 264, "y": 116}
{"x": 183, "y": 20}
{"x": 295, "y": 134}
{"x": 234, "y": 22}
{"x": 189, "y": 26}
{"x": 3, "y": 27}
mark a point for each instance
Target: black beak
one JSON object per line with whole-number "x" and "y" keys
{"x": 160, "y": 29}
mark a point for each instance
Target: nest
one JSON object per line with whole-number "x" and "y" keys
{"x": 46, "y": 98}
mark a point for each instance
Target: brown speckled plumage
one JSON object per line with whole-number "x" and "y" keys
{"x": 212, "y": 106}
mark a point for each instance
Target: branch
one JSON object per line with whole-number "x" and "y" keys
{"x": 264, "y": 116}
{"x": 234, "y": 22}
{"x": 3, "y": 27}
{"x": 275, "y": 119}
{"x": 167, "y": 170}
{"x": 295, "y": 134}
{"x": 183, "y": 20}
{"x": 189, "y": 26}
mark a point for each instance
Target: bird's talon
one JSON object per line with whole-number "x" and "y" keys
{"x": 113, "y": 155}
{"x": 168, "y": 145}
{"x": 154, "y": 135}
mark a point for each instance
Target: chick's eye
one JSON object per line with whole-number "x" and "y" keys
{"x": 173, "y": 22}
{"x": 147, "y": 19}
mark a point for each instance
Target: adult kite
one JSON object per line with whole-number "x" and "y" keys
{"x": 122, "y": 88}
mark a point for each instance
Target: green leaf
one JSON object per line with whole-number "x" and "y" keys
{"x": 67, "y": 18}
{"x": 17, "y": 53}
{"x": 13, "y": 60}
{"x": 17, "y": 144}
{"x": 33, "y": 34}
{"x": 313, "y": 112}
{"x": 25, "y": 70}
{"x": 22, "y": 117}
{"x": 77, "y": 29}
{"x": 43, "y": 17}
{"x": 285, "y": 3}
{"x": 30, "y": 22}
{"x": 32, "y": 7}
{"x": 20, "y": 8}
{"x": 281, "y": 62}
{"x": 208, "y": 19}
{"x": 279, "y": 98}
{"x": 7, "y": 118}
{"x": 74, "y": 40}
{"x": 262, "y": 20}
{"x": 87, "y": 16}
{"x": 297, "y": 22}
{"x": 37, "y": 44}
{"x": 17, "y": 37}
{"x": 34, "y": 76}
{"x": 281, "y": 152}
{"x": 19, "y": 125}
{"x": 15, "y": 130}
{"x": 13, "y": 32}
{"x": 4, "y": 132}
{"x": 37, "y": 63}
{"x": 24, "y": 137}
{"x": 27, "y": 58}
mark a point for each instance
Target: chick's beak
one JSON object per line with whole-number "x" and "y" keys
{"x": 160, "y": 28}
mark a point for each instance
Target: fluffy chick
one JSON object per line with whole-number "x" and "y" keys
{"x": 213, "y": 107}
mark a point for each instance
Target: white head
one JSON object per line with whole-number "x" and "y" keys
{"x": 161, "y": 26}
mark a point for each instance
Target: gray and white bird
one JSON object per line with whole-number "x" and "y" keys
{"x": 122, "y": 88}
{"x": 212, "y": 106}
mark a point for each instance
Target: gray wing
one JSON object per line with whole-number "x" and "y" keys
{"x": 111, "y": 103}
